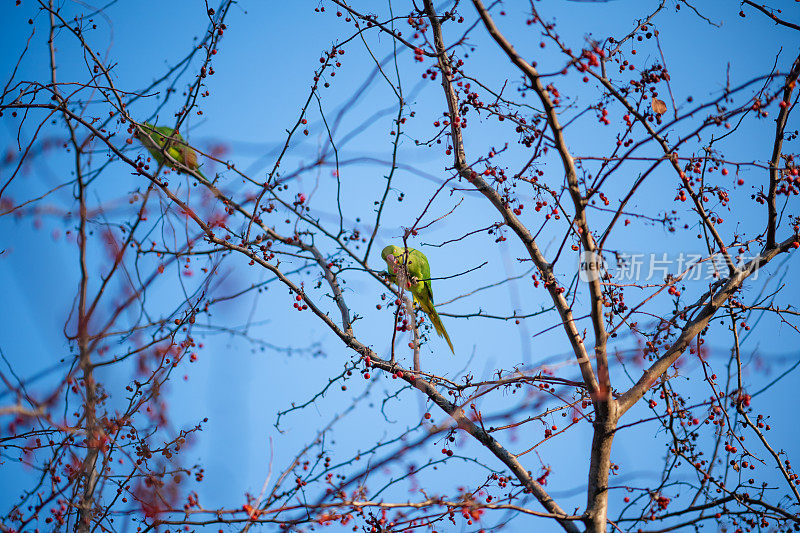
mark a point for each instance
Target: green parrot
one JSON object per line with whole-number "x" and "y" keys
{"x": 419, "y": 274}
{"x": 180, "y": 151}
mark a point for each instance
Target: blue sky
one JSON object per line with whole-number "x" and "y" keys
{"x": 263, "y": 75}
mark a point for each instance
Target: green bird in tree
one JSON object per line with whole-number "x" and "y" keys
{"x": 155, "y": 138}
{"x": 417, "y": 278}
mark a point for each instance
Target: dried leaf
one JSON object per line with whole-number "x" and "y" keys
{"x": 658, "y": 106}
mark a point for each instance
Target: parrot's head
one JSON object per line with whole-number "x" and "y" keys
{"x": 391, "y": 253}
{"x": 149, "y": 128}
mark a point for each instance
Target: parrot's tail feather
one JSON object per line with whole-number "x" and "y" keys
{"x": 439, "y": 327}
{"x": 427, "y": 306}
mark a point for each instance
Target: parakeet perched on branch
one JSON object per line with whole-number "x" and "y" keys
{"x": 418, "y": 279}
{"x": 176, "y": 146}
